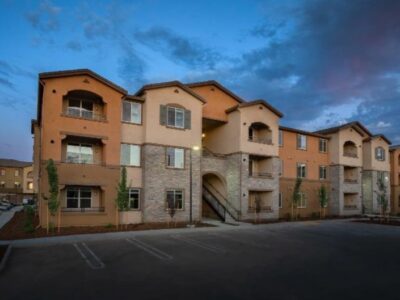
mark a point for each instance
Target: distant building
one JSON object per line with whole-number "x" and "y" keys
{"x": 16, "y": 180}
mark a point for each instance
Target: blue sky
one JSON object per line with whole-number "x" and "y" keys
{"x": 321, "y": 63}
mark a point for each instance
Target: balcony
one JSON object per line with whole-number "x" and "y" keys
{"x": 260, "y": 202}
{"x": 261, "y": 166}
{"x": 260, "y": 133}
{"x": 84, "y": 105}
{"x": 350, "y": 149}
{"x": 350, "y": 207}
{"x": 88, "y": 115}
{"x": 266, "y": 141}
{"x": 350, "y": 175}
{"x": 351, "y": 181}
{"x": 82, "y": 150}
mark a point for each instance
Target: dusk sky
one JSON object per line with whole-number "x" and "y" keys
{"x": 321, "y": 63}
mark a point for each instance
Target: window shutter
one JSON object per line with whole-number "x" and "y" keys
{"x": 163, "y": 115}
{"x": 383, "y": 154}
{"x": 188, "y": 119}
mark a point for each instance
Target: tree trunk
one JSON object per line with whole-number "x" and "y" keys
{"x": 59, "y": 219}
{"x": 292, "y": 212}
{"x": 47, "y": 216}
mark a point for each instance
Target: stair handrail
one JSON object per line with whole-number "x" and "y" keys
{"x": 214, "y": 202}
{"x": 211, "y": 153}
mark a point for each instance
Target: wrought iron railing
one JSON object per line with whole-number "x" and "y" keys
{"x": 350, "y": 154}
{"x": 261, "y": 174}
{"x": 89, "y": 115}
{"x": 83, "y": 209}
{"x": 350, "y": 180}
{"x": 267, "y": 141}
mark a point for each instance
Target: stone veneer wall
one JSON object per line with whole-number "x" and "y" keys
{"x": 370, "y": 197}
{"x": 157, "y": 178}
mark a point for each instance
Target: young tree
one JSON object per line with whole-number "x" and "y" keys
{"x": 171, "y": 208}
{"x": 296, "y": 195}
{"x": 122, "y": 201}
{"x": 382, "y": 196}
{"x": 53, "y": 202}
{"x": 323, "y": 200}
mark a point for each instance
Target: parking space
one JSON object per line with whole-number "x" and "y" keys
{"x": 312, "y": 260}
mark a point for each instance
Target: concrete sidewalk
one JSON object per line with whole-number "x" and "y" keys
{"x": 6, "y": 216}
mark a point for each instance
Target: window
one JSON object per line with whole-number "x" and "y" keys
{"x": 80, "y": 108}
{"x": 132, "y": 112}
{"x": 79, "y": 153}
{"x": 280, "y": 138}
{"x": 322, "y": 172}
{"x": 301, "y": 170}
{"x": 280, "y": 167}
{"x": 302, "y": 201}
{"x": 2, "y": 184}
{"x": 3, "y": 172}
{"x": 30, "y": 186}
{"x": 16, "y": 173}
{"x": 174, "y": 199}
{"x": 323, "y": 145}
{"x": 175, "y": 158}
{"x": 130, "y": 155}
{"x": 79, "y": 197}
{"x": 301, "y": 142}
{"x": 280, "y": 200}
{"x": 17, "y": 184}
{"x": 175, "y": 117}
{"x": 134, "y": 198}
{"x": 380, "y": 153}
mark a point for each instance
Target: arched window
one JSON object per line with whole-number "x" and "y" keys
{"x": 380, "y": 154}
{"x": 260, "y": 133}
{"x": 350, "y": 149}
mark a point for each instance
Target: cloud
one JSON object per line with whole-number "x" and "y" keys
{"x": 382, "y": 124}
{"x": 74, "y": 45}
{"x": 6, "y": 83}
{"x": 178, "y": 48}
{"x": 45, "y": 17}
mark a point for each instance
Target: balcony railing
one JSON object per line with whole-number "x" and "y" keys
{"x": 88, "y": 115}
{"x": 261, "y": 174}
{"x": 350, "y": 180}
{"x": 82, "y": 209}
{"x": 350, "y": 154}
{"x": 350, "y": 206}
{"x": 267, "y": 209}
{"x": 82, "y": 161}
{"x": 267, "y": 141}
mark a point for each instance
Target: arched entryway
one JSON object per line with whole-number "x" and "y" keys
{"x": 214, "y": 196}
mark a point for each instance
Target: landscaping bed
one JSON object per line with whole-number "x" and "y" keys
{"x": 16, "y": 228}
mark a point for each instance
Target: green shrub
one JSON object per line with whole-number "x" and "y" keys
{"x": 29, "y": 214}
{"x": 314, "y": 215}
{"x": 109, "y": 225}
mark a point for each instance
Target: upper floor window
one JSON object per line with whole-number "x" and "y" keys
{"x": 174, "y": 116}
{"x": 130, "y": 155}
{"x": 380, "y": 154}
{"x": 132, "y": 112}
{"x": 80, "y": 108}
{"x": 134, "y": 198}
{"x": 175, "y": 158}
{"x": 16, "y": 173}
{"x": 174, "y": 199}
{"x": 79, "y": 153}
{"x": 322, "y": 172}
{"x": 280, "y": 138}
{"x": 301, "y": 142}
{"x": 323, "y": 145}
{"x": 2, "y": 172}
{"x": 350, "y": 149}
{"x": 301, "y": 170}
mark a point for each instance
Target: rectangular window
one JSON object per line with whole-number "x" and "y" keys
{"x": 301, "y": 142}
{"x": 280, "y": 138}
{"x": 130, "y": 155}
{"x": 16, "y": 173}
{"x": 322, "y": 172}
{"x": 79, "y": 153}
{"x": 380, "y": 154}
{"x": 175, "y": 158}
{"x": 132, "y": 112}
{"x": 30, "y": 186}
{"x": 175, "y": 117}
{"x": 280, "y": 200}
{"x": 301, "y": 170}
{"x": 134, "y": 198}
{"x": 280, "y": 167}
{"x": 2, "y": 184}
{"x": 174, "y": 199}
{"x": 80, "y": 108}
{"x": 3, "y": 172}
{"x": 302, "y": 201}
{"x": 323, "y": 145}
{"x": 79, "y": 197}
{"x": 17, "y": 184}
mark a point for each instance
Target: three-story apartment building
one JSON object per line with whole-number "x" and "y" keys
{"x": 395, "y": 178}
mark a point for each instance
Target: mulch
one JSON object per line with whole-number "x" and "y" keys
{"x": 14, "y": 229}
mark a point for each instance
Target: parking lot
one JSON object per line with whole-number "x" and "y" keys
{"x": 305, "y": 260}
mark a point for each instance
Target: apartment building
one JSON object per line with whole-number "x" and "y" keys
{"x": 395, "y": 179}
{"x": 16, "y": 180}
{"x": 196, "y": 148}
{"x": 303, "y": 155}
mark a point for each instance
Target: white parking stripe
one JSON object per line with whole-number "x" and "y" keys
{"x": 150, "y": 249}
{"x": 237, "y": 240}
{"x": 91, "y": 259}
{"x": 198, "y": 244}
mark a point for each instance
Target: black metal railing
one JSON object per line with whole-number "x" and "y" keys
{"x": 232, "y": 211}
{"x": 214, "y": 203}
{"x": 88, "y": 115}
{"x": 83, "y": 209}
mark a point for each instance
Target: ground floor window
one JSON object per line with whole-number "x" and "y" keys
{"x": 174, "y": 199}
{"x": 134, "y": 198}
{"x": 79, "y": 197}
{"x": 280, "y": 200}
{"x": 302, "y": 201}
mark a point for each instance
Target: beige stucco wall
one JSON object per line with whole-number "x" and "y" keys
{"x": 132, "y": 133}
{"x": 27, "y": 180}
{"x": 157, "y": 134}
{"x": 369, "y": 160}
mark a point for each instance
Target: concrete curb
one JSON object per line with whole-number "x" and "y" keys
{"x": 5, "y": 257}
